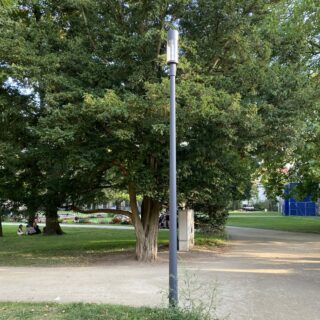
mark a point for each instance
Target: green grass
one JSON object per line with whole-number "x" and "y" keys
{"x": 293, "y": 224}
{"x": 254, "y": 213}
{"x": 80, "y": 311}
{"x": 78, "y": 246}
{"x": 100, "y": 220}
{"x": 209, "y": 240}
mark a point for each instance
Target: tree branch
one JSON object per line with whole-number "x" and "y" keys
{"x": 314, "y": 44}
{"x": 92, "y": 42}
{"x": 113, "y": 211}
{"x": 133, "y": 199}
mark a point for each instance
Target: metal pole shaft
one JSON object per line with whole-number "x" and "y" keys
{"x": 173, "y": 279}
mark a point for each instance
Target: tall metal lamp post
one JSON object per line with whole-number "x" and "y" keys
{"x": 172, "y": 60}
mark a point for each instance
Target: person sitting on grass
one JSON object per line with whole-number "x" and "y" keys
{"x": 20, "y": 231}
{"x": 30, "y": 230}
{"x": 36, "y": 228}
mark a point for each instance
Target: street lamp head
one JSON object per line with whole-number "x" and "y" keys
{"x": 172, "y": 46}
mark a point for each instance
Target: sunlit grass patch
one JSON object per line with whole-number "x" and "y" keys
{"x": 78, "y": 246}
{"x": 293, "y": 224}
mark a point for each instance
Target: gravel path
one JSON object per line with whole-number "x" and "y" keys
{"x": 261, "y": 275}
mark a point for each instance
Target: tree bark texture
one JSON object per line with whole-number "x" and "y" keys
{"x": 31, "y": 216}
{"x": 147, "y": 231}
{"x": 52, "y": 223}
{"x": 1, "y": 232}
{"x": 146, "y": 226}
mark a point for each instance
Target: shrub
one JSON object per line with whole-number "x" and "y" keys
{"x": 270, "y": 205}
{"x": 213, "y": 221}
{"x": 127, "y": 222}
{"x": 84, "y": 221}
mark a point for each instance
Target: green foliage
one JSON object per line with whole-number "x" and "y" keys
{"x": 81, "y": 311}
{"x": 85, "y": 97}
{"x": 6, "y": 3}
{"x": 269, "y": 205}
{"x": 211, "y": 221}
{"x": 301, "y": 151}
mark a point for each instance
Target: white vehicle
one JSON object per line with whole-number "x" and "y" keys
{"x": 247, "y": 207}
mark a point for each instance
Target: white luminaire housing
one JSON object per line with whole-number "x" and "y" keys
{"x": 172, "y": 46}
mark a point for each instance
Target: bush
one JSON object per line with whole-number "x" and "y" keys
{"x": 8, "y": 219}
{"x": 127, "y": 222}
{"x": 270, "y": 205}
{"x": 84, "y": 221}
{"x": 211, "y": 221}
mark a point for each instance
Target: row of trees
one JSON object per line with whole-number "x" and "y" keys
{"x": 84, "y": 101}
{"x": 300, "y": 162}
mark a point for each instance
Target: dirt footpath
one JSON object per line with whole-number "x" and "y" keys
{"x": 262, "y": 274}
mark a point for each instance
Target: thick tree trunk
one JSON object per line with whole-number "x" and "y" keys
{"x": 31, "y": 217}
{"x": 52, "y": 223}
{"x": 32, "y": 208}
{"x": 145, "y": 225}
{"x": 146, "y": 230}
{"x": 1, "y": 232}
{"x": 147, "y": 243}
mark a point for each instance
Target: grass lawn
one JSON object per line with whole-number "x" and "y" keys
{"x": 294, "y": 224}
{"x": 254, "y": 213}
{"x": 79, "y": 311}
{"x": 79, "y": 246}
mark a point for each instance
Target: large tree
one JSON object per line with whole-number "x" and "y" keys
{"x": 299, "y": 153}
{"x": 98, "y": 76}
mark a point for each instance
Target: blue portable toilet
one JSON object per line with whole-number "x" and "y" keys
{"x": 293, "y": 207}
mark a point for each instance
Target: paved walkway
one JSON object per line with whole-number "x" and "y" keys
{"x": 261, "y": 275}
